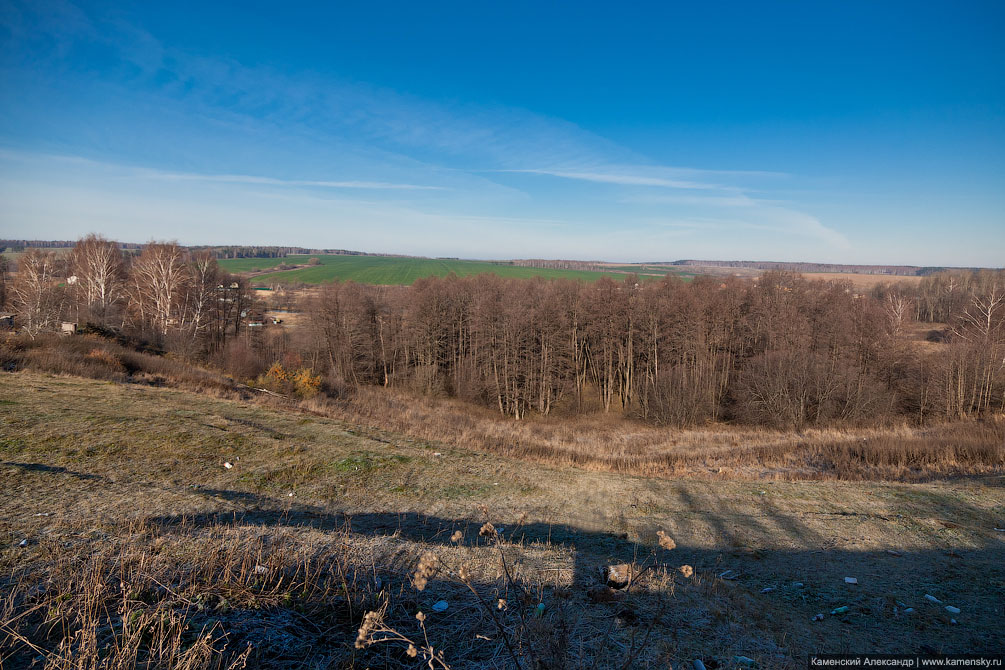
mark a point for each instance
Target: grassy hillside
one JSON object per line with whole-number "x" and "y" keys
{"x": 123, "y": 534}
{"x": 389, "y": 270}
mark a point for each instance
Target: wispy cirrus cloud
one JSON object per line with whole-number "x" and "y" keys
{"x": 620, "y": 178}
{"x": 205, "y": 123}
{"x": 43, "y": 159}
{"x": 272, "y": 181}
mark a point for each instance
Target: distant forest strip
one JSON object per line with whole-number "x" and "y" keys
{"x": 265, "y": 253}
{"x": 781, "y": 351}
{"x": 893, "y": 270}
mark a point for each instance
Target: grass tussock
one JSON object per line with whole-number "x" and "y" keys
{"x": 176, "y": 596}
{"x": 617, "y": 444}
{"x": 181, "y": 595}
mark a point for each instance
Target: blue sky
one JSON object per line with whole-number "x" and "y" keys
{"x": 855, "y": 132}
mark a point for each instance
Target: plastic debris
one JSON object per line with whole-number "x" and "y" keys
{"x": 23, "y": 543}
{"x": 228, "y": 465}
{"x": 290, "y": 494}
{"x": 698, "y": 665}
{"x": 818, "y": 617}
{"x": 728, "y": 574}
{"x": 768, "y": 589}
{"x": 1000, "y": 530}
{"x": 745, "y": 660}
{"x": 797, "y": 585}
{"x": 260, "y": 569}
{"x": 953, "y": 621}
{"x": 909, "y": 610}
{"x": 539, "y": 610}
{"x": 440, "y": 606}
{"x": 840, "y": 610}
{"x": 933, "y": 599}
{"x": 893, "y": 553}
{"x": 952, "y": 610}
{"x": 437, "y": 454}
{"x": 850, "y": 580}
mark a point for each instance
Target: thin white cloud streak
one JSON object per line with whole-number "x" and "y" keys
{"x": 622, "y": 179}
{"x": 761, "y": 214}
{"x": 39, "y": 159}
{"x": 271, "y": 181}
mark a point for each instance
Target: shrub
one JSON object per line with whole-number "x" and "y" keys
{"x": 302, "y": 383}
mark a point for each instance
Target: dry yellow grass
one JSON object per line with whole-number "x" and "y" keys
{"x": 114, "y": 484}
{"x": 612, "y": 443}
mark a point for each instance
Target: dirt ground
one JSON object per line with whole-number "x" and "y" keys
{"x": 768, "y": 556}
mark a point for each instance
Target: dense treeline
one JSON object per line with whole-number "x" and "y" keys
{"x": 234, "y": 251}
{"x": 782, "y": 350}
{"x": 163, "y": 295}
{"x": 895, "y": 270}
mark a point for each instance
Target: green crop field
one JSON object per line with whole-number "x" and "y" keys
{"x": 390, "y": 269}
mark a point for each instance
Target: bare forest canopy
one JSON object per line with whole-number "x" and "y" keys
{"x": 780, "y": 350}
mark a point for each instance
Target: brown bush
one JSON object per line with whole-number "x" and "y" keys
{"x": 98, "y": 358}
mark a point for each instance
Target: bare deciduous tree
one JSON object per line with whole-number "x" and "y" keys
{"x": 157, "y": 279}
{"x": 35, "y": 293}
{"x": 99, "y": 270}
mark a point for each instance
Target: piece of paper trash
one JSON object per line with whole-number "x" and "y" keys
{"x": 440, "y": 606}
{"x": 228, "y": 465}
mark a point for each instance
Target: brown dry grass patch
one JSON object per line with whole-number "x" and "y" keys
{"x": 616, "y": 444}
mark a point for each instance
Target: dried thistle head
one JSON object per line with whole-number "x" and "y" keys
{"x": 424, "y": 570}
{"x": 370, "y": 621}
{"x": 464, "y": 574}
{"x": 412, "y": 651}
{"x": 484, "y": 510}
{"x": 686, "y": 570}
{"x": 501, "y": 604}
{"x": 665, "y": 540}
{"x": 457, "y": 536}
{"x": 488, "y": 530}
{"x": 420, "y": 616}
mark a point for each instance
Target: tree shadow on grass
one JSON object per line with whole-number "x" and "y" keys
{"x": 53, "y": 469}
{"x": 790, "y": 585}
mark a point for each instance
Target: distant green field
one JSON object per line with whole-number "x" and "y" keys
{"x": 391, "y": 270}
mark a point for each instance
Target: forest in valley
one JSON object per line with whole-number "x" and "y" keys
{"x": 780, "y": 350}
